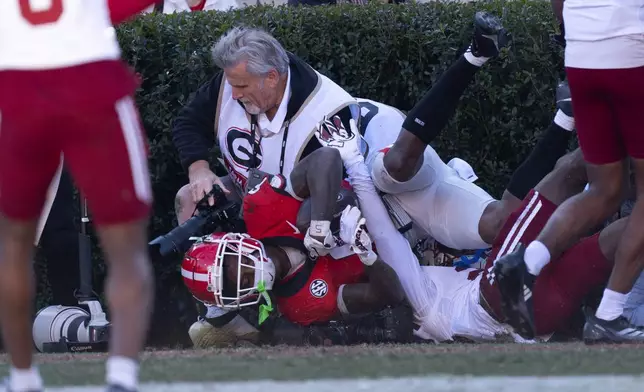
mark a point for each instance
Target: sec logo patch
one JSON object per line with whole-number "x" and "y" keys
{"x": 318, "y": 288}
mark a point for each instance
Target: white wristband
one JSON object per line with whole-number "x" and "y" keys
{"x": 368, "y": 258}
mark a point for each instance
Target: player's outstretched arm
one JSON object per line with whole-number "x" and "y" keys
{"x": 384, "y": 289}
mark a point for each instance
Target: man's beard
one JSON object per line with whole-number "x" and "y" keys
{"x": 252, "y": 109}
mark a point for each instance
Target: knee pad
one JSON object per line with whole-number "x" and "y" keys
{"x": 387, "y": 184}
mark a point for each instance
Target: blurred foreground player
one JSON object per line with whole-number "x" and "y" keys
{"x": 63, "y": 89}
{"x": 605, "y": 69}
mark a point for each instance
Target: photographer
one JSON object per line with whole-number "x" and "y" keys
{"x": 263, "y": 108}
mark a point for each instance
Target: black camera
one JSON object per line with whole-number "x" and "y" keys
{"x": 224, "y": 215}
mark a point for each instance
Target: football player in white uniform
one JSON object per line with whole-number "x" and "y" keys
{"x": 465, "y": 302}
{"x": 63, "y": 58}
{"x": 441, "y": 198}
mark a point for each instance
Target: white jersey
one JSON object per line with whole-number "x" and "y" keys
{"x": 51, "y": 34}
{"x": 598, "y": 20}
{"x": 604, "y": 34}
{"x": 455, "y": 309}
{"x": 441, "y": 199}
{"x": 380, "y": 124}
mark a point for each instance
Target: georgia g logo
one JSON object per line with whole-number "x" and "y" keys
{"x": 332, "y": 132}
{"x": 239, "y": 144}
{"x": 318, "y": 288}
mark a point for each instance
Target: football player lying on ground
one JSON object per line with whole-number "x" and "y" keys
{"x": 466, "y": 302}
{"x": 448, "y": 207}
{"x": 381, "y": 125}
{"x": 234, "y": 270}
{"x": 447, "y": 189}
{"x": 442, "y": 199}
{"x": 463, "y": 302}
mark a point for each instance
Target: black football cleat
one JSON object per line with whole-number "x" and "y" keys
{"x": 563, "y": 97}
{"x": 118, "y": 388}
{"x": 515, "y": 285}
{"x": 618, "y": 331}
{"x": 489, "y": 35}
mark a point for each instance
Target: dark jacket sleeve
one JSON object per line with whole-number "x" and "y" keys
{"x": 193, "y": 129}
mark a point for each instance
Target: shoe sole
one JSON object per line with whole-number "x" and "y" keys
{"x": 490, "y": 26}
{"x": 516, "y": 310}
{"x": 606, "y": 340}
{"x": 593, "y": 342}
{"x": 488, "y": 23}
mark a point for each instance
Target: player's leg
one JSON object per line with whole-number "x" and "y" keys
{"x": 107, "y": 157}
{"x": 551, "y": 146}
{"x": 604, "y": 152}
{"x": 561, "y": 287}
{"x": 627, "y": 100}
{"x": 566, "y": 180}
{"x": 28, "y": 161}
{"x": 430, "y": 115}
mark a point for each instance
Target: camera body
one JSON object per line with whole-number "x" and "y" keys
{"x": 224, "y": 215}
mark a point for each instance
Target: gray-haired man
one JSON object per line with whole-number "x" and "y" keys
{"x": 264, "y": 108}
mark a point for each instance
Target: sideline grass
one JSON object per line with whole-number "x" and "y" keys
{"x": 289, "y": 363}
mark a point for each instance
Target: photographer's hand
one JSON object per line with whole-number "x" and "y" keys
{"x": 202, "y": 180}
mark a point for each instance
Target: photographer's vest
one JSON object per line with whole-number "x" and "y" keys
{"x": 278, "y": 153}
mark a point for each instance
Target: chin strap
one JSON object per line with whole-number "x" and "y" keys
{"x": 264, "y": 309}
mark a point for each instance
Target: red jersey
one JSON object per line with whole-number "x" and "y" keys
{"x": 310, "y": 294}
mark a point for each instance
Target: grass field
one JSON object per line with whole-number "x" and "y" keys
{"x": 454, "y": 367}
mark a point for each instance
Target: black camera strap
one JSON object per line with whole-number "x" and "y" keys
{"x": 253, "y": 135}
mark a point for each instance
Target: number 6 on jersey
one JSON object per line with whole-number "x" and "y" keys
{"x": 39, "y": 12}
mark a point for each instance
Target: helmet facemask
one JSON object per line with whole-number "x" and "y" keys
{"x": 246, "y": 254}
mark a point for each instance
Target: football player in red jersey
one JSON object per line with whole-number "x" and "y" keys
{"x": 62, "y": 57}
{"x": 233, "y": 270}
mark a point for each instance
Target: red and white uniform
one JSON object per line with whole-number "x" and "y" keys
{"x": 270, "y": 211}
{"x": 456, "y": 308}
{"x": 562, "y": 285}
{"x": 605, "y": 69}
{"x": 63, "y": 89}
{"x": 48, "y": 34}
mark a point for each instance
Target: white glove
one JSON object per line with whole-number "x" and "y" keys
{"x": 354, "y": 233}
{"x": 319, "y": 248}
{"x": 331, "y": 132}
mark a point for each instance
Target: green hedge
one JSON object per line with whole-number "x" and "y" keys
{"x": 389, "y": 53}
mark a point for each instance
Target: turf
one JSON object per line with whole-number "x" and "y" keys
{"x": 290, "y": 363}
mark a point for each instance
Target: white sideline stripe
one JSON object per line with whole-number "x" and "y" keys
{"x": 407, "y": 384}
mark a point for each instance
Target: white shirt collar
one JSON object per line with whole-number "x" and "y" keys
{"x": 269, "y": 128}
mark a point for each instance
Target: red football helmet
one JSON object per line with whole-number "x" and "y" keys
{"x": 205, "y": 265}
